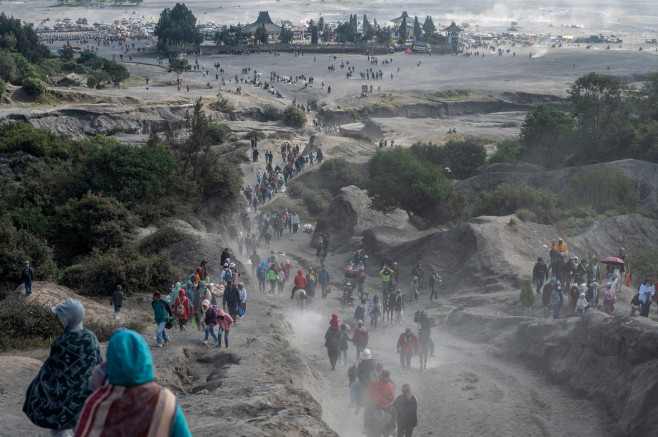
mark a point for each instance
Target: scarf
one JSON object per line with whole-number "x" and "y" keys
{"x": 139, "y": 411}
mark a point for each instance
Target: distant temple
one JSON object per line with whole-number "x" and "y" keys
{"x": 263, "y": 20}
{"x": 398, "y": 20}
{"x": 452, "y": 33}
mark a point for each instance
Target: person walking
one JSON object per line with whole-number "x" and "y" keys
{"x": 261, "y": 274}
{"x": 243, "y": 299}
{"x": 56, "y": 396}
{"x": 539, "y": 274}
{"x": 131, "y": 403}
{"x": 332, "y": 341}
{"x": 210, "y": 319}
{"x": 231, "y": 301}
{"x": 225, "y": 323}
{"x": 27, "y": 276}
{"x": 324, "y": 278}
{"x": 555, "y": 302}
{"x": 374, "y": 310}
{"x": 344, "y": 342}
{"x": 408, "y": 344}
{"x": 182, "y": 309}
{"x": 162, "y": 313}
{"x": 646, "y": 292}
{"x": 360, "y": 338}
{"x": 609, "y": 298}
{"x": 117, "y": 300}
{"x": 406, "y": 406}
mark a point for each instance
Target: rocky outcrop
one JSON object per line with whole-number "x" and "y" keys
{"x": 489, "y": 254}
{"x": 610, "y": 359}
{"x": 644, "y": 174}
{"x": 350, "y": 215}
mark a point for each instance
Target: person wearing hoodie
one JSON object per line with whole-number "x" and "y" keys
{"x": 162, "y": 312}
{"x": 202, "y": 293}
{"x": 117, "y": 300}
{"x": 174, "y": 293}
{"x": 225, "y": 322}
{"x": 332, "y": 339}
{"x": 261, "y": 274}
{"x": 56, "y": 396}
{"x": 182, "y": 309}
{"x": 555, "y": 301}
{"x": 406, "y": 406}
{"x": 609, "y": 298}
{"x": 231, "y": 300}
{"x": 273, "y": 278}
{"x": 581, "y": 304}
{"x": 210, "y": 312}
{"x": 190, "y": 288}
{"x": 131, "y": 403}
{"x": 299, "y": 281}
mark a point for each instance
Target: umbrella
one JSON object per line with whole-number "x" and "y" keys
{"x": 612, "y": 260}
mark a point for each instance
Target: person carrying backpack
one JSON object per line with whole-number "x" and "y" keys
{"x": 261, "y": 274}
{"x": 117, "y": 299}
{"x": 360, "y": 338}
{"x": 182, "y": 309}
{"x": 162, "y": 314}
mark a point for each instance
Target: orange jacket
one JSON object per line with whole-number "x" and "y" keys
{"x": 408, "y": 345}
{"x": 381, "y": 393}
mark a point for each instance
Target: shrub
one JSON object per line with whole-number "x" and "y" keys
{"x": 160, "y": 240}
{"x": 460, "y": 156}
{"x": 339, "y": 173}
{"x": 221, "y": 104}
{"x": 317, "y": 201}
{"x": 117, "y": 128}
{"x": 98, "y": 273}
{"x": 93, "y": 222}
{"x": 510, "y": 151}
{"x": 260, "y": 135}
{"x": 21, "y": 245}
{"x": 34, "y": 86}
{"x": 27, "y": 324}
{"x": 41, "y": 143}
{"x": 294, "y": 117}
{"x": 644, "y": 264}
{"x": 606, "y": 190}
{"x": 359, "y": 136}
{"x": 219, "y": 132}
{"x": 531, "y": 202}
{"x": 3, "y": 89}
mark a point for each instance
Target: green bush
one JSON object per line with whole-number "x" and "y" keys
{"x": 606, "y": 190}
{"x": 221, "y": 104}
{"x": 3, "y": 89}
{"x": 94, "y": 222}
{"x": 19, "y": 246}
{"x": 219, "y": 133}
{"x": 34, "y": 86}
{"x": 529, "y": 201}
{"x": 510, "y": 151}
{"x": 644, "y": 264}
{"x": 339, "y": 173}
{"x": 260, "y": 135}
{"x": 8, "y": 70}
{"x": 294, "y": 117}
{"x": 41, "y": 143}
{"x": 27, "y": 324}
{"x": 98, "y": 273}
{"x": 317, "y": 201}
{"x": 462, "y": 157}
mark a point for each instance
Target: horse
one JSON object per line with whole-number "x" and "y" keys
{"x": 303, "y": 300}
{"x": 424, "y": 339}
{"x": 378, "y": 422}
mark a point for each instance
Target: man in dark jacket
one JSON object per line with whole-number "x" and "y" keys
{"x": 231, "y": 301}
{"x": 117, "y": 299}
{"x": 406, "y": 406}
{"x": 225, "y": 255}
{"x": 27, "y": 275}
{"x": 539, "y": 273}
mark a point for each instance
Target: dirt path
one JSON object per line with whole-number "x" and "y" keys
{"x": 466, "y": 389}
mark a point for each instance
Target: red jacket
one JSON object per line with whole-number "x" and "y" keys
{"x": 381, "y": 393}
{"x": 300, "y": 279}
{"x": 183, "y": 301}
{"x": 409, "y": 345}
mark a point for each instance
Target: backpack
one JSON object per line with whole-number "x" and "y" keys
{"x": 261, "y": 273}
{"x": 361, "y": 277}
{"x": 359, "y": 313}
{"x": 167, "y": 307}
{"x": 180, "y": 309}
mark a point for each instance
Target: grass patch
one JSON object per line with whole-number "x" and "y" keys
{"x": 260, "y": 135}
{"x": 459, "y": 95}
{"x": 160, "y": 240}
{"x": 281, "y": 135}
{"x": 359, "y": 136}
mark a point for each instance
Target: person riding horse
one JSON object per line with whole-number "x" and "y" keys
{"x": 424, "y": 325}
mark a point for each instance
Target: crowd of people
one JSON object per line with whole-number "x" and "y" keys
{"x": 578, "y": 283}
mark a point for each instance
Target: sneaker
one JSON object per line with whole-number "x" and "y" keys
{"x": 215, "y": 344}
{"x": 204, "y": 341}
{"x": 159, "y": 344}
{"x": 166, "y": 340}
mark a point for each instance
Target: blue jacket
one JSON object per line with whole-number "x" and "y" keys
{"x": 129, "y": 363}
{"x": 161, "y": 314}
{"x": 323, "y": 277}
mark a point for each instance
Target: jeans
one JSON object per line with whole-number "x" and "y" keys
{"x": 373, "y": 320}
{"x": 344, "y": 354}
{"x": 261, "y": 285}
{"x": 579, "y": 313}
{"x": 353, "y": 389}
{"x": 359, "y": 349}
{"x": 28, "y": 287}
{"x": 210, "y": 329}
{"x": 556, "y": 311}
{"x": 547, "y": 312}
{"x": 644, "y": 308}
{"x": 226, "y": 333}
{"x": 161, "y": 333}
{"x": 434, "y": 293}
{"x": 116, "y": 310}
{"x": 324, "y": 290}
{"x": 405, "y": 359}
{"x": 539, "y": 282}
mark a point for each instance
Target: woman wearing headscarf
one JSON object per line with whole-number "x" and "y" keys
{"x": 609, "y": 298}
{"x": 131, "y": 403}
{"x": 57, "y": 394}
{"x": 332, "y": 340}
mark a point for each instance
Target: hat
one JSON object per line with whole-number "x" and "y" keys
{"x": 204, "y": 262}
{"x": 359, "y": 322}
{"x": 240, "y": 283}
{"x": 415, "y": 278}
{"x": 582, "y": 294}
{"x": 26, "y": 262}
{"x": 540, "y": 259}
{"x": 225, "y": 264}
{"x": 119, "y": 288}
{"x": 365, "y": 354}
{"x": 205, "y": 303}
{"x": 231, "y": 265}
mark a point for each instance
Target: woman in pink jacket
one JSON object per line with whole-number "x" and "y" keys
{"x": 224, "y": 322}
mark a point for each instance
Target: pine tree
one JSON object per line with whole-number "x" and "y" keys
{"x": 402, "y": 31}
{"x": 418, "y": 32}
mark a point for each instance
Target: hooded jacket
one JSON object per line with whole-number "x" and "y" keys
{"x": 184, "y": 302}
{"x": 224, "y": 320}
{"x": 300, "y": 279}
{"x": 408, "y": 343}
{"x": 211, "y": 315}
{"x": 131, "y": 403}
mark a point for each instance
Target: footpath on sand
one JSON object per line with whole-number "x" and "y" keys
{"x": 464, "y": 390}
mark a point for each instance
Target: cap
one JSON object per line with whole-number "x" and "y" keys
{"x": 205, "y": 303}
{"x": 365, "y": 355}
{"x": 582, "y": 294}
{"x": 359, "y": 322}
